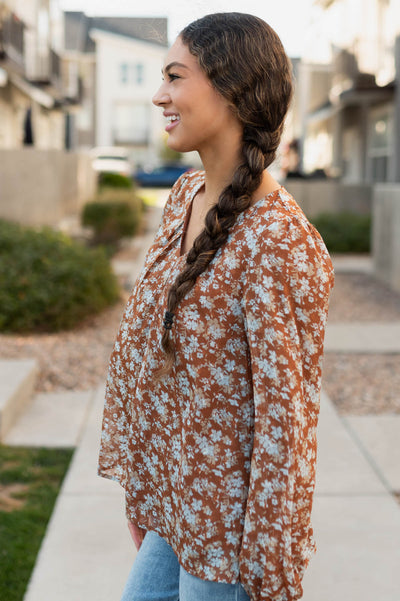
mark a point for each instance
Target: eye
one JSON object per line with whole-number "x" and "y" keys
{"x": 172, "y": 76}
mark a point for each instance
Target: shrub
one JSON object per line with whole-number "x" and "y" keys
{"x": 113, "y": 215}
{"x": 49, "y": 282}
{"x": 114, "y": 180}
{"x": 345, "y": 232}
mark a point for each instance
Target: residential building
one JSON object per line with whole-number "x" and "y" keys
{"x": 350, "y": 98}
{"x": 119, "y": 61}
{"x": 33, "y": 109}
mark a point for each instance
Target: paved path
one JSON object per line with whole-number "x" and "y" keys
{"x": 87, "y": 552}
{"x": 346, "y": 263}
{"x": 358, "y": 337}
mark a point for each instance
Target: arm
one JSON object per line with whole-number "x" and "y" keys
{"x": 286, "y": 296}
{"x": 137, "y": 534}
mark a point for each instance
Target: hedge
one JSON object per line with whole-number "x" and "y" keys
{"x": 113, "y": 214}
{"x": 48, "y": 282}
{"x": 114, "y": 180}
{"x": 345, "y": 232}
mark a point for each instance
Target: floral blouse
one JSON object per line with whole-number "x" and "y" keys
{"x": 218, "y": 457}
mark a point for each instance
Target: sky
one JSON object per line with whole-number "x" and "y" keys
{"x": 290, "y": 18}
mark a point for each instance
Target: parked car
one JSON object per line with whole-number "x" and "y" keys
{"x": 111, "y": 159}
{"x": 161, "y": 177}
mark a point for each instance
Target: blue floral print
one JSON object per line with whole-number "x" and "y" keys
{"x": 218, "y": 456}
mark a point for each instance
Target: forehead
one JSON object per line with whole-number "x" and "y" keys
{"x": 179, "y": 53}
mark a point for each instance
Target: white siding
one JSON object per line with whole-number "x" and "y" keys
{"x": 128, "y": 73}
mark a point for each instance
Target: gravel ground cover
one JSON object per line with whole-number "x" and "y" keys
{"x": 360, "y": 297}
{"x": 73, "y": 360}
{"x": 362, "y": 384}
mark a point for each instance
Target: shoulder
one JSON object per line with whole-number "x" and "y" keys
{"x": 282, "y": 218}
{"x": 178, "y": 199}
{"x": 187, "y": 183}
{"x": 181, "y": 191}
{"x": 283, "y": 239}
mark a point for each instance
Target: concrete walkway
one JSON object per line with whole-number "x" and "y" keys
{"x": 358, "y": 337}
{"x": 87, "y": 552}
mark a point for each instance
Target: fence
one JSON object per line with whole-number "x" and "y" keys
{"x": 330, "y": 196}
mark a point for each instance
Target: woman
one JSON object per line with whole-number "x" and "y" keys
{"x": 213, "y": 390}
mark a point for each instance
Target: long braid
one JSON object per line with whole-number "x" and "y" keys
{"x": 233, "y": 200}
{"x": 246, "y": 63}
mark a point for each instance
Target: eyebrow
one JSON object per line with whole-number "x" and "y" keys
{"x": 172, "y": 65}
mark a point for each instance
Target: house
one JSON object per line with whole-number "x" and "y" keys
{"x": 33, "y": 109}
{"x": 119, "y": 61}
{"x": 351, "y": 98}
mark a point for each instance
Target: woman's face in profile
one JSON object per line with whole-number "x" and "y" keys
{"x": 197, "y": 115}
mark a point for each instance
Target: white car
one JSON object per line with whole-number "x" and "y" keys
{"x": 111, "y": 159}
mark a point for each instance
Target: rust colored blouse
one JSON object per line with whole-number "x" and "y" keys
{"x": 219, "y": 456}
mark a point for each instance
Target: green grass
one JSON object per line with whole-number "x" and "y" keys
{"x": 29, "y": 483}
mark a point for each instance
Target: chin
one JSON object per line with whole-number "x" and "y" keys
{"x": 179, "y": 146}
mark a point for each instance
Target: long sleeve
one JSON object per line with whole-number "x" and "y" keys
{"x": 219, "y": 457}
{"x": 288, "y": 279}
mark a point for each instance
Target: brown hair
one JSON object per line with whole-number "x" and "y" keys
{"x": 246, "y": 63}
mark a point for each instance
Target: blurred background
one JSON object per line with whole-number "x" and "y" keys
{"x": 84, "y": 174}
{"x": 76, "y": 81}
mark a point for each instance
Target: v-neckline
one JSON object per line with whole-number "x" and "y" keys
{"x": 188, "y": 214}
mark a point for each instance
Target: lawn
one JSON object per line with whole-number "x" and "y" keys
{"x": 29, "y": 483}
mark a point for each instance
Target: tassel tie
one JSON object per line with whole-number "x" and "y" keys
{"x": 168, "y": 320}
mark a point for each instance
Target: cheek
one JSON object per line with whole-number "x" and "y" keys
{"x": 215, "y": 107}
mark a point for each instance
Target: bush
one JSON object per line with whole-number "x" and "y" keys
{"x": 114, "y": 180}
{"x": 113, "y": 215}
{"x": 49, "y": 282}
{"x": 345, "y": 232}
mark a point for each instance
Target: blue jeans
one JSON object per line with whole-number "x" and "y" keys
{"x": 157, "y": 576}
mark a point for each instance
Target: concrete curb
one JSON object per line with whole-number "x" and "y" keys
{"x": 17, "y": 382}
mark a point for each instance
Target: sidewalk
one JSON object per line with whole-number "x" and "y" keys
{"x": 87, "y": 552}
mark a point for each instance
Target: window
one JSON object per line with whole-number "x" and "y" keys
{"x": 139, "y": 73}
{"x": 132, "y": 73}
{"x": 380, "y": 144}
{"x": 124, "y": 73}
{"x": 352, "y": 155}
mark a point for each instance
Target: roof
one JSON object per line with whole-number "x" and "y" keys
{"x": 78, "y": 25}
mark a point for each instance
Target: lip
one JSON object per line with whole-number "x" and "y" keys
{"x": 172, "y": 124}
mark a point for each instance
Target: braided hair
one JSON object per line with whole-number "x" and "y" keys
{"x": 246, "y": 63}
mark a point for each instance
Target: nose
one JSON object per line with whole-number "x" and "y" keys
{"x": 161, "y": 97}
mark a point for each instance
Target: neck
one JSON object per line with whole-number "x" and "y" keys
{"x": 219, "y": 166}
